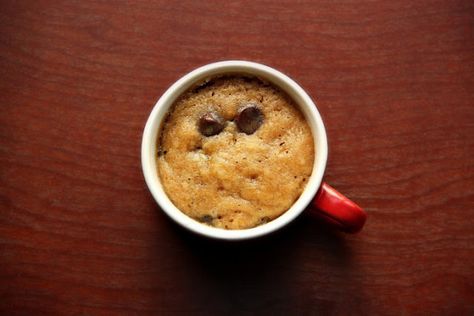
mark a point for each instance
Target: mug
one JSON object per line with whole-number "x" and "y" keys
{"x": 318, "y": 197}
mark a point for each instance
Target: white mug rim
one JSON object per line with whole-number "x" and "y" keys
{"x": 153, "y": 124}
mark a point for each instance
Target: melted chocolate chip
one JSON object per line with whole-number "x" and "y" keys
{"x": 265, "y": 219}
{"x": 249, "y": 118}
{"x": 211, "y": 124}
{"x": 161, "y": 151}
{"x": 203, "y": 86}
{"x": 207, "y": 219}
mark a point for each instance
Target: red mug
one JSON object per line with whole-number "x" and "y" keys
{"x": 317, "y": 197}
{"x": 337, "y": 210}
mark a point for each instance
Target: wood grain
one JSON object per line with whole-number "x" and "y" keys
{"x": 81, "y": 235}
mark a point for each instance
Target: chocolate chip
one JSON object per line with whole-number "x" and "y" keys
{"x": 203, "y": 86}
{"x": 207, "y": 219}
{"x": 161, "y": 151}
{"x": 249, "y": 118}
{"x": 211, "y": 123}
{"x": 265, "y": 219}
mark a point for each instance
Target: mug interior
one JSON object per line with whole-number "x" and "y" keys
{"x": 153, "y": 125}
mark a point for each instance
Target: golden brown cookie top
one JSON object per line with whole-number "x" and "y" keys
{"x": 235, "y": 152}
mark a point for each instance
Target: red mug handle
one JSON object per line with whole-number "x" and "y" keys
{"x": 337, "y": 210}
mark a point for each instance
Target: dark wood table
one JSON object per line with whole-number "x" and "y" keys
{"x": 80, "y": 234}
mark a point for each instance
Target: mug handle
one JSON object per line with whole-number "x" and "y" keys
{"x": 337, "y": 210}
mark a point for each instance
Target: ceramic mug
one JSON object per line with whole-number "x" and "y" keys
{"x": 317, "y": 197}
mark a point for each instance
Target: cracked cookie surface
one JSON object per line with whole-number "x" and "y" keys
{"x": 234, "y": 180}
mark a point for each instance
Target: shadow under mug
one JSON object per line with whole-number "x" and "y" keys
{"x": 317, "y": 198}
